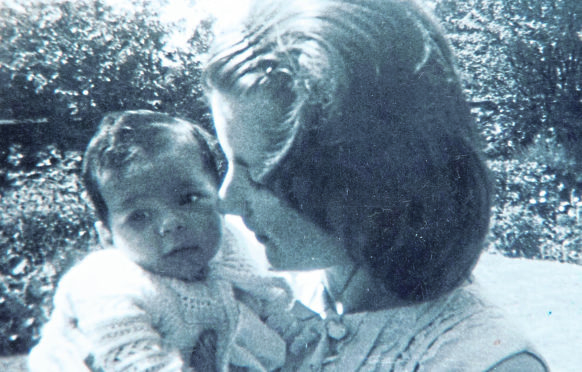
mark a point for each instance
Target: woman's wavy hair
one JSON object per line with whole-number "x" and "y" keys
{"x": 125, "y": 139}
{"x": 378, "y": 145}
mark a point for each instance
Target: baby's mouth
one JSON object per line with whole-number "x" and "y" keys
{"x": 183, "y": 250}
{"x": 199, "y": 266}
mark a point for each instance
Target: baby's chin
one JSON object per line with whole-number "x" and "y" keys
{"x": 186, "y": 264}
{"x": 195, "y": 275}
{"x": 191, "y": 274}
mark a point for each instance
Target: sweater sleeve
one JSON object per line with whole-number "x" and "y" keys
{"x": 127, "y": 342}
{"x": 458, "y": 332}
{"x": 106, "y": 295}
{"x": 61, "y": 347}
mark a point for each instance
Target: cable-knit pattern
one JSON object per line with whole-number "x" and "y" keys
{"x": 133, "y": 320}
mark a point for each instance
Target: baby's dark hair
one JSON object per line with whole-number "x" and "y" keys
{"x": 125, "y": 137}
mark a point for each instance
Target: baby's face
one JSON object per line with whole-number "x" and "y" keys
{"x": 164, "y": 214}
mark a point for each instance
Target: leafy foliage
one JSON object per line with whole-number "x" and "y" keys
{"x": 523, "y": 66}
{"x": 477, "y": 38}
{"x": 45, "y": 226}
{"x": 547, "y": 60}
{"x": 535, "y": 214}
{"x": 71, "y": 61}
{"x": 521, "y": 61}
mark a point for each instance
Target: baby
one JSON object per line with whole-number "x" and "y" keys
{"x": 170, "y": 270}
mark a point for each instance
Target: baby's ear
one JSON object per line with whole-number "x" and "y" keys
{"x": 105, "y": 237}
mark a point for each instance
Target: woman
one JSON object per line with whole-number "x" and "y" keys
{"x": 351, "y": 148}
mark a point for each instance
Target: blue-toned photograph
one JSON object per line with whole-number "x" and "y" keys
{"x": 290, "y": 185}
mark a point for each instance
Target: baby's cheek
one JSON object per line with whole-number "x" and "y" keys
{"x": 210, "y": 229}
{"x": 217, "y": 229}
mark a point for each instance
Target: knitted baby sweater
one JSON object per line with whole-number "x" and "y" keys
{"x": 129, "y": 319}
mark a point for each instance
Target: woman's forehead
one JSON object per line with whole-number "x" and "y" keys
{"x": 246, "y": 126}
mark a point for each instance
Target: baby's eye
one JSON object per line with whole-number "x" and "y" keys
{"x": 191, "y": 198}
{"x": 138, "y": 216}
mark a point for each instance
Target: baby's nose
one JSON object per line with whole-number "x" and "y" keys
{"x": 171, "y": 224}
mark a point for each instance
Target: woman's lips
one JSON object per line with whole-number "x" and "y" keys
{"x": 263, "y": 239}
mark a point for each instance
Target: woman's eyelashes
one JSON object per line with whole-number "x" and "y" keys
{"x": 138, "y": 216}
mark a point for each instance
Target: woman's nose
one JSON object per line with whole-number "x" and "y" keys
{"x": 231, "y": 197}
{"x": 231, "y": 202}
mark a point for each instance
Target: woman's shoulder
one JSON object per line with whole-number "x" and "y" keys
{"x": 459, "y": 332}
{"x": 477, "y": 334}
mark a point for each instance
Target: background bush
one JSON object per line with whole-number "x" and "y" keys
{"x": 45, "y": 226}
{"x": 535, "y": 214}
{"x": 64, "y": 63}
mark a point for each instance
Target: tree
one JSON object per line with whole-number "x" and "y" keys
{"x": 69, "y": 62}
{"x": 546, "y": 56}
{"x": 522, "y": 61}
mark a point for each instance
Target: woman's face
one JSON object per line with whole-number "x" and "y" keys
{"x": 292, "y": 242}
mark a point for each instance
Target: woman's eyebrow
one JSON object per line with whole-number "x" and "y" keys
{"x": 240, "y": 161}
